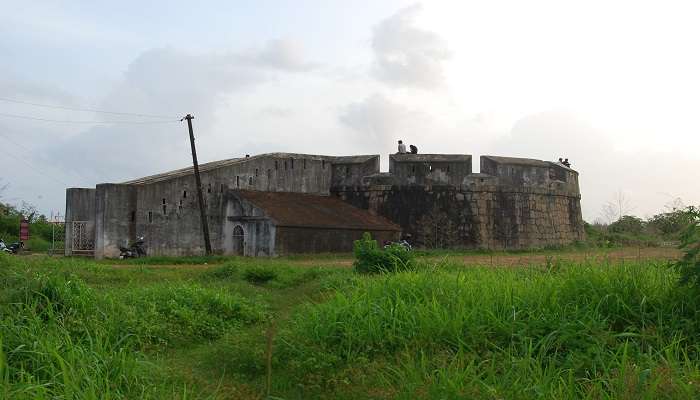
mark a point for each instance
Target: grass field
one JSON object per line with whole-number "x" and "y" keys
{"x": 495, "y": 326}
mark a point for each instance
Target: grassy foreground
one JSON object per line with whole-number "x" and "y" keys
{"x": 312, "y": 328}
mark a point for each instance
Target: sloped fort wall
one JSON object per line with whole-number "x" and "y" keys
{"x": 512, "y": 203}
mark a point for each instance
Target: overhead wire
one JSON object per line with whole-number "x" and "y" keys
{"x": 86, "y": 122}
{"x": 84, "y": 109}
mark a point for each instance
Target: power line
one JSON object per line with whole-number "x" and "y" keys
{"x": 85, "y": 122}
{"x": 83, "y": 109}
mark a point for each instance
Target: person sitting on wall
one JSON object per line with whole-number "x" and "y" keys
{"x": 414, "y": 149}
{"x": 561, "y": 161}
{"x": 567, "y": 163}
{"x": 402, "y": 147}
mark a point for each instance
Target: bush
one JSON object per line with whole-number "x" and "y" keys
{"x": 369, "y": 258}
{"x": 689, "y": 265}
{"x": 259, "y": 275}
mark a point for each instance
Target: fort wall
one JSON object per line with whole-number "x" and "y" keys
{"x": 513, "y": 203}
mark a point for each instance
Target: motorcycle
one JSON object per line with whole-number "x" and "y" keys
{"x": 136, "y": 249}
{"x": 13, "y": 248}
{"x": 403, "y": 243}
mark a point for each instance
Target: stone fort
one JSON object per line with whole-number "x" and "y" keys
{"x": 282, "y": 203}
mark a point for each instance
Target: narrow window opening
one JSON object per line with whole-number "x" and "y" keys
{"x": 256, "y": 172}
{"x": 291, "y": 163}
{"x": 150, "y": 217}
{"x": 163, "y": 200}
{"x": 184, "y": 194}
{"x": 323, "y": 164}
{"x": 250, "y": 181}
{"x": 238, "y": 181}
{"x": 304, "y": 164}
{"x": 133, "y": 216}
{"x": 222, "y": 188}
{"x": 413, "y": 169}
{"x": 285, "y": 165}
{"x": 276, "y": 165}
{"x": 165, "y": 209}
{"x": 448, "y": 168}
{"x": 208, "y": 187}
{"x": 179, "y": 207}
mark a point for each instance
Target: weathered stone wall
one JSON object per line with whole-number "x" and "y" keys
{"x": 486, "y": 217}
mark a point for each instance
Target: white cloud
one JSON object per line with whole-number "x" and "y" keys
{"x": 407, "y": 55}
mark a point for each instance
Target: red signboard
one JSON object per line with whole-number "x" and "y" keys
{"x": 24, "y": 230}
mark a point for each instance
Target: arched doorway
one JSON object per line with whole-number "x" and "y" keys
{"x": 238, "y": 240}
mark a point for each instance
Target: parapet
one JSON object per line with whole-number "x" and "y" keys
{"x": 526, "y": 172}
{"x": 430, "y": 169}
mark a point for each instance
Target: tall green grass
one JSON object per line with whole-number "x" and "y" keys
{"x": 60, "y": 338}
{"x": 574, "y": 331}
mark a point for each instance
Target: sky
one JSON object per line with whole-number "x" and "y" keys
{"x": 612, "y": 85}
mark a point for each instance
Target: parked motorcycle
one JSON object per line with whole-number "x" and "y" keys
{"x": 13, "y": 248}
{"x": 136, "y": 250}
{"x": 403, "y": 243}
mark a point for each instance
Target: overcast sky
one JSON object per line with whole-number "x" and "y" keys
{"x": 612, "y": 85}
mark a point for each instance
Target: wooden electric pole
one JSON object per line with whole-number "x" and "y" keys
{"x": 198, "y": 182}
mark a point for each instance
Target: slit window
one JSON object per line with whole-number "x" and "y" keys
{"x": 179, "y": 207}
{"x": 133, "y": 216}
{"x": 238, "y": 181}
{"x": 165, "y": 209}
{"x": 285, "y": 165}
{"x": 291, "y": 163}
{"x": 184, "y": 194}
{"x": 323, "y": 164}
{"x": 222, "y": 188}
{"x": 256, "y": 172}
{"x": 208, "y": 187}
{"x": 150, "y": 216}
{"x": 276, "y": 165}
{"x": 303, "y": 163}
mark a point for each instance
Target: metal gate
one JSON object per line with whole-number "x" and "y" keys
{"x": 83, "y": 237}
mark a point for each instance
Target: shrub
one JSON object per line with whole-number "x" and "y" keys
{"x": 259, "y": 275}
{"x": 369, "y": 258}
{"x": 689, "y": 265}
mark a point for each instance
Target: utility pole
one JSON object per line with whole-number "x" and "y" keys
{"x": 198, "y": 182}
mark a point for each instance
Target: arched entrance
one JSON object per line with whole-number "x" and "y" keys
{"x": 238, "y": 240}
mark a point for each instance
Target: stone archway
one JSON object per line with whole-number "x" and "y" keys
{"x": 238, "y": 240}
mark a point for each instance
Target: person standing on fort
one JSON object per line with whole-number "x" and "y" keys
{"x": 402, "y": 147}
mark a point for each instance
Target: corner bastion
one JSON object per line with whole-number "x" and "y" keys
{"x": 512, "y": 203}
